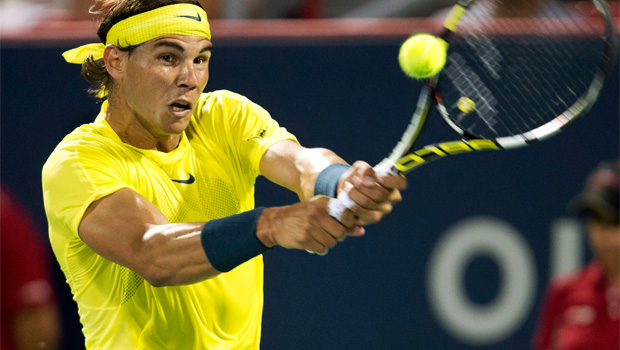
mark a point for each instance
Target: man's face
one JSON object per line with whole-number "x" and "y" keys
{"x": 604, "y": 240}
{"x": 163, "y": 80}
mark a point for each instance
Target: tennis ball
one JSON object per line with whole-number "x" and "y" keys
{"x": 422, "y": 55}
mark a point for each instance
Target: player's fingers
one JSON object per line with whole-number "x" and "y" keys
{"x": 339, "y": 229}
{"x": 374, "y": 196}
{"x": 317, "y": 248}
{"x": 367, "y": 217}
{"x": 347, "y": 219}
{"x": 368, "y": 211}
{"x": 329, "y": 238}
{"x": 356, "y": 231}
{"x": 373, "y": 189}
{"x": 336, "y": 218}
{"x": 368, "y": 194}
{"x": 395, "y": 197}
{"x": 318, "y": 240}
{"x": 398, "y": 182}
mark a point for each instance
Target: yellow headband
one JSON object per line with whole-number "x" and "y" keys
{"x": 177, "y": 19}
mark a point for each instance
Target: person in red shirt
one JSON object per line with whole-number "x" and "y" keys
{"x": 29, "y": 312}
{"x": 582, "y": 310}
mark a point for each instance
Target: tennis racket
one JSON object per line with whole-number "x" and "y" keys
{"x": 508, "y": 82}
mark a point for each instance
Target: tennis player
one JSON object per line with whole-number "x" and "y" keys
{"x": 150, "y": 207}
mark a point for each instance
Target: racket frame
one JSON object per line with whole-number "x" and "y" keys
{"x": 401, "y": 160}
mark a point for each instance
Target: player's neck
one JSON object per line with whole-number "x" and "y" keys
{"x": 132, "y": 132}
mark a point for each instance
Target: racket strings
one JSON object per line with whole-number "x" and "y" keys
{"x": 520, "y": 73}
{"x": 470, "y": 85}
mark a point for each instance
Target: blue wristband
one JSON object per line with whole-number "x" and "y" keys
{"x": 327, "y": 181}
{"x": 231, "y": 241}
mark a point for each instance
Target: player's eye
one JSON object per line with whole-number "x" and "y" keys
{"x": 166, "y": 58}
{"x": 200, "y": 60}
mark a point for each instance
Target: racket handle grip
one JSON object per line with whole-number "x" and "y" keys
{"x": 386, "y": 167}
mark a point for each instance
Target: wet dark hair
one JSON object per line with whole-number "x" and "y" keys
{"x": 112, "y": 12}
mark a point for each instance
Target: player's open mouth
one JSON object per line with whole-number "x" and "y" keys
{"x": 180, "y": 107}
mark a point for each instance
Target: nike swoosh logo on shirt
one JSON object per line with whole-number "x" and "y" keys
{"x": 260, "y": 135}
{"x": 197, "y": 18}
{"x": 188, "y": 181}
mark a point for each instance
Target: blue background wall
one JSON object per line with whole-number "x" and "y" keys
{"x": 350, "y": 96}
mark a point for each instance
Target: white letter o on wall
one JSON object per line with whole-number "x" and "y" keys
{"x": 469, "y": 322}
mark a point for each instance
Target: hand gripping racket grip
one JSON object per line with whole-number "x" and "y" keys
{"x": 337, "y": 206}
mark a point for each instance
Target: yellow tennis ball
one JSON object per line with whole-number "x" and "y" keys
{"x": 423, "y": 55}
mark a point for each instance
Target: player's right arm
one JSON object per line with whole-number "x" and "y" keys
{"x": 125, "y": 228}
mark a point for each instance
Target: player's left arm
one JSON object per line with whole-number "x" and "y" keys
{"x": 295, "y": 167}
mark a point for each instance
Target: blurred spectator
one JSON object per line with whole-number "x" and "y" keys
{"x": 582, "y": 311}
{"x": 29, "y": 314}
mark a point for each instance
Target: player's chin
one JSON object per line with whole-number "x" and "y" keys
{"x": 177, "y": 126}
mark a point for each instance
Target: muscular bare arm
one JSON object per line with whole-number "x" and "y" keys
{"x": 127, "y": 229}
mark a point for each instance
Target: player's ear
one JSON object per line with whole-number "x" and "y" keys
{"x": 112, "y": 56}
